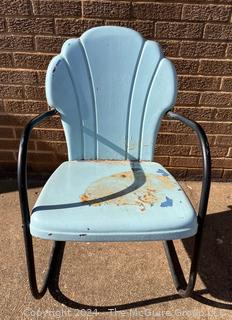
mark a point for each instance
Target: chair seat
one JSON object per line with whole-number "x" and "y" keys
{"x": 112, "y": 201}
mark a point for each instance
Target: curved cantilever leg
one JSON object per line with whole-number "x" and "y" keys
{"x": 183, "y": 288}
{"x": 22, "y": 185}
{"x": 56, "y": 250}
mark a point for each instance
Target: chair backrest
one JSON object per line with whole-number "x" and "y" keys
{"x": 111, "y": 88}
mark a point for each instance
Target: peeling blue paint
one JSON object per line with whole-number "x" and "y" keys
{"x": 163, "y": 173}
{"x": 167, "y": 203}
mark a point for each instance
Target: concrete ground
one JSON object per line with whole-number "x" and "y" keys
{"x": 132, "y": 277}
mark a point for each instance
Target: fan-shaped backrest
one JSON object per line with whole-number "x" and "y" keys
{"x": 111, "y": 88}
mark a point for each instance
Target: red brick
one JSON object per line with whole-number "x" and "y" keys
{"x": 7, "y": 156}
{"x": 6, "y": 60}
{"x": 174, "y": 127}
{"x": 229, "y": 154}
{"x": 200, "y": 49}
{"x": 58, "y": 147}
{"x": 6, "y": 132}
{"x": 227, "y": 175}
{"x": 7, "y": 144}
{"x": 7, "y": 91}
{"x": 15, "y": 7}
{"x": 25, "y": 107}
{"x": 32, "y": 60}
{"x": 41, "y": 77}
{"x": 197, "y": 114}
{"x": 51, "y": 123}
{"x": 181, "y": 139}
{"x": 163, "y": 150}
{"x": 156, "y": 11}
{"x": 75, "y": 26}
{"x": 223, "y": 114}
{"x": 196, "y": 174}
{"x": 226, "y": 84}
{"x": 30, "y": 25}
{"x": 216, "y": 99}
{"x": 35, "y": 92}
{"x": 170, "y": 47}
{"x": 186, "y": 162}
{"x": 20, "y": 120}
{"x": 8, "y": 169}
{"x": 179, "y": 30}
{"x": 18, "y": 77}
{"x": 49, "y": 44}
{"x": 217, "y": 151}
{"x": 216, "y": 67}
{"x": 146, "y": 28}
{"x": 185, "y": 66}
{"x": 162, "y": 160}
{"x": 41, "y": 157}
{"x": 208, "y": 12}
{"x": 218, "y": 31}
{"x": 16, "y": 42}
{"x": 217, "y": 127}
{"x": 106, "y": 9}
{"x": 225, "y": 163}
{"x": 42, "y": 169}
{"x": 2, "y": 109}
{"x": 178, "y": 173}
{"x": 223, "y": 140}
{"x": 2, "y": 24}
{"x": 58, "y": 8}
{"x": 229, "y": 50}
{"x": 199, "y": 83}
{"x": 216, "y": 173}
{"x": 187, "y": 98}
{"x": 44, "y": 134}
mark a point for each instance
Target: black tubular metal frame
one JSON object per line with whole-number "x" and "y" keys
{"x": 183, "y": 288}
{"x": 23, "y": 198}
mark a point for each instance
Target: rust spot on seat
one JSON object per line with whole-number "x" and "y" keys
{"x": 117, "y": 190}
{"x": 84, "y": 197}
{"x": 166, "y": 182}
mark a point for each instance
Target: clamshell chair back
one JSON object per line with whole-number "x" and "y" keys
{"x": 111, "y": 88}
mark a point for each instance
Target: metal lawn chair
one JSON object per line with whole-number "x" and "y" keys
{"x": 111, "y": 89}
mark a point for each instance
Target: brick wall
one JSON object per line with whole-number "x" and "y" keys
{"x": 195, "y": 35}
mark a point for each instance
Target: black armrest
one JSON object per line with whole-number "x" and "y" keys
{"x": 22, "y": 164}
{"x": 206, "y": 178}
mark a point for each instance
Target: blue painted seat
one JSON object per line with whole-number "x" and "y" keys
{"x": 112, "y": 201}
{"x": 111, "y": 88}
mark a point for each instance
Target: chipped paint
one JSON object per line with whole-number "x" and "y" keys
{"x": 167, "y": 203}
{"x": 162, "y": 172}
{"x": 54, "y": 69}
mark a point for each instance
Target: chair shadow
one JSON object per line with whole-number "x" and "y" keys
{"x": 215, "y": 268}
{"x": 215, "y": 263}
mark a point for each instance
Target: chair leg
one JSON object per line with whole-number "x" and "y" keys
{"x": 183, "y": 288}
{"x": 57, "y": 247}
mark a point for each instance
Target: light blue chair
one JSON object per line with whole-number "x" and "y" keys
{"x": 111, "y": 89}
